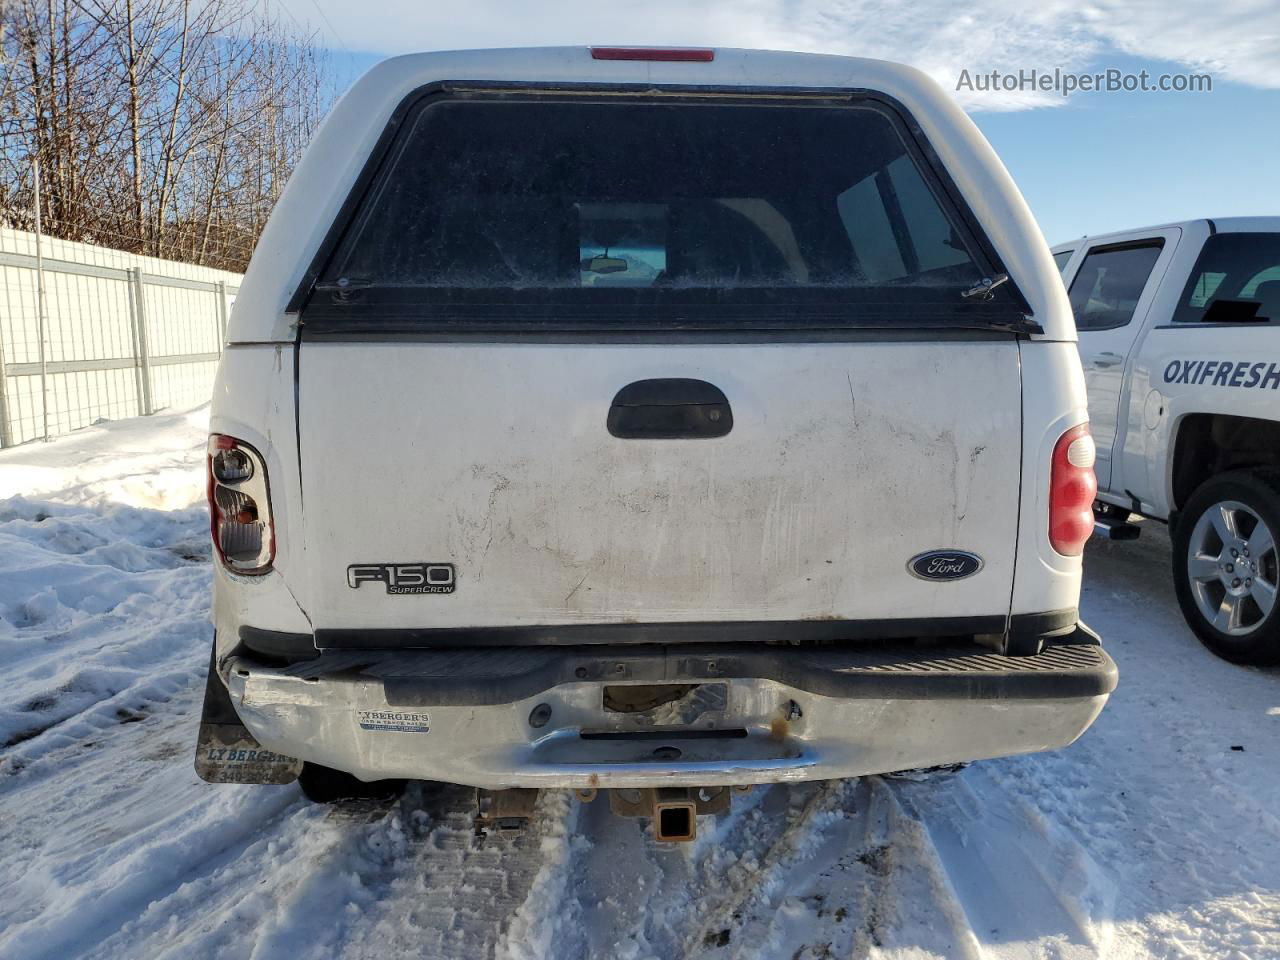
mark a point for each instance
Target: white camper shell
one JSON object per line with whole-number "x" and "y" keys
{"x": 622, "y": 418}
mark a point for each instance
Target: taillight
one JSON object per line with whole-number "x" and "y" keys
{"x": 1072, "y": 490}
{"x": 240, "y": 507}
{"x": 675, "y": 54}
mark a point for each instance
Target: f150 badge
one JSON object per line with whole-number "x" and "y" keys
{"x": 402, "y": 579}
{"x": 944, "y": 565}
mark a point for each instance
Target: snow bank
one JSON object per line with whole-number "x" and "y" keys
{"x": 148, "y": 462}
{"x": 103, "y": 578}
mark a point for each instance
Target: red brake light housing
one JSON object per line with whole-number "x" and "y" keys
{"x": 1072, "y": 490}
{"x": 671, "y": 54}
{"x": 244, "y": 534}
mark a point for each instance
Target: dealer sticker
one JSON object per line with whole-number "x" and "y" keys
{"x": 393, "y": 721}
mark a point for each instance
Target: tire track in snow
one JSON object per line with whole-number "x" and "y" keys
{"x": 856, "y": 884}
{"x": 636, "y": 897}
{"x": 834, "y": 869}
{"x": 113, "y": 827}
{"x": 809, "y": 901}
{"x": 1021, "y": 885}
{"x": 632, "y": 897}
{"x": 761, "y": 880}
{"x": 437, "y": 892}
{"x": 103, "y": 613}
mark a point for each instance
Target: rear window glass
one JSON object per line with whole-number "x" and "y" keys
{"x": 1236, "y": 280}
{"x": 1106, "y": 289}
{"x": 595, "y": 202}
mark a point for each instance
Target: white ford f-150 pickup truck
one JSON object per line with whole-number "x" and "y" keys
{"x": 1180, "y": 340}
{"x": 660, "y": 421}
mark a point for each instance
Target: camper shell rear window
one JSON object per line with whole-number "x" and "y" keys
{"x": 493, "y": 208}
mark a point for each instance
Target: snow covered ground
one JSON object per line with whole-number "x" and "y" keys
{"x": 1157, "y": 835}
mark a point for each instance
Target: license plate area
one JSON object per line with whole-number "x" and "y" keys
{"x": 670, "y": 749}
{"x": 640, "y": 707}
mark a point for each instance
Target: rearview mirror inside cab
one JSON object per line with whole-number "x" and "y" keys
{"x": 604, "y": 264}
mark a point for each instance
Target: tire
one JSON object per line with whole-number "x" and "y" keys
{"x": 1225, "y": 565}
{"x": 326, "y": 785}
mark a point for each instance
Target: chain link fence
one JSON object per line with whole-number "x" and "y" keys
{"x": 122, "y": 335}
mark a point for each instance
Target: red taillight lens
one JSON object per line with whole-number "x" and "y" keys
{"x": 240, "y": 507}
{"x": 676, "y": 54}
{"x": 1072, "y": 490}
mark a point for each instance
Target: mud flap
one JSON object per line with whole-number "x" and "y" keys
{"x": 226, "y": 752}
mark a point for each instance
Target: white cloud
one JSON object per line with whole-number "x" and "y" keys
{"x": 1235, "y": 40}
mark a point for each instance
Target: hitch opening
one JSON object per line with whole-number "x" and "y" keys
{"x": 674, "y": 810}
{"x": 675, "y": 822}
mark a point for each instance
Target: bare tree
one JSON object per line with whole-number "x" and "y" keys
{"x": 165, "y": 127}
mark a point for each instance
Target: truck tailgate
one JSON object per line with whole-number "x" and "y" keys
{"x": 845, "y": 460}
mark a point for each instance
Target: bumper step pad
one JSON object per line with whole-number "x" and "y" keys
{"x": 1075, "y": 667}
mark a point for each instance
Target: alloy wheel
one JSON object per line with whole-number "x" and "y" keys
{"x": 1232, "y": 567}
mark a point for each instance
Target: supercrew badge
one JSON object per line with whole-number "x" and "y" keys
{"x": 402, "y": 579}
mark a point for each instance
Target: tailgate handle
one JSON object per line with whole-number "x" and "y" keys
{"x": 669, "y": 408}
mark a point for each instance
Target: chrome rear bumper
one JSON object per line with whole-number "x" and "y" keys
{"x": 537, "y": 717}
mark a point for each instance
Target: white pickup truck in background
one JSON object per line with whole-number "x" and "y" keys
{"x": 1179, "y": 331}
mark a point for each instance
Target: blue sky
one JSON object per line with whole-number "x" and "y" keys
{"x": 1111, "y": 161}
{"x": 1089, "y": 163}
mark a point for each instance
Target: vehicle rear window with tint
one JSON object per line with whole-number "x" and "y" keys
{"x": 1236, "y": 280}
{"x": 1106, "y": 289}
{"x": 589, "y": 203}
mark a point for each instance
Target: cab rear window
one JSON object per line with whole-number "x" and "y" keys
{"x": 1236, "y": 280}
{"x": 582, "y": 205}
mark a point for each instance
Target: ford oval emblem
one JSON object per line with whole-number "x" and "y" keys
{"x": 945, "y": 565}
